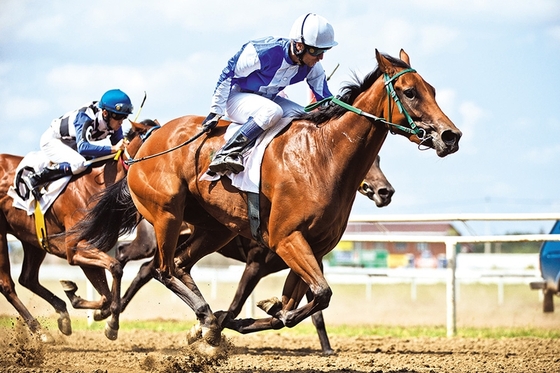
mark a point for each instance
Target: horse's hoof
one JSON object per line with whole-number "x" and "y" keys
{"x": 65, "y": 325}
{"x": 211, "y": 352}
{"x": 68, "y": 285}
{"x": 329, "y": 352}
{"x": 270, "y": 306}
{"x": 194, "y": 334}
{"x": 100, "y": 315}
{"x": 212, "y": 336}
{"x": 111, "y": 333}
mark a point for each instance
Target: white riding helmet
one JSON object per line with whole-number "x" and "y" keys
{"x": 313, "y": 30}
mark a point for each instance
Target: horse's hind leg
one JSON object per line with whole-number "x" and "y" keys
{"x": 93, "y": 275}
{"x": 7, "y": 287}
{"x": 142, "y": 277}
{"x": 199, "y": 244}
{"x": 32, "y": 259}
{"x": 94, "y": 263}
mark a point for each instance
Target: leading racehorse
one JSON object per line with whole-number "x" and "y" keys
{"x": 62, "y": 215}
{"x": 309, "y": 177}
{"x": 259, "y": 261}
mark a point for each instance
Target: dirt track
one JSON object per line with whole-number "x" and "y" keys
{"x": 277, "y": 352}
{"x": 144, "y": 351}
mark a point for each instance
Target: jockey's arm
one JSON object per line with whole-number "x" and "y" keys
{"x": 84, "y": 130}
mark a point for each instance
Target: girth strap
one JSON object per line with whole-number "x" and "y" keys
{"x": 254, "y": 218}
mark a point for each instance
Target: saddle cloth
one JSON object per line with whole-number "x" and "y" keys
{"x": 37, "y": 160}
{"x": 249, "y": 180}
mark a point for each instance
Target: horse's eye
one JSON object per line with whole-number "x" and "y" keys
{"x": 410, "y": 93}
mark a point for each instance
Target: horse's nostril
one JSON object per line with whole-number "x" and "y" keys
{"x": 383, "y": 192}
{"x": 449, "y": 137}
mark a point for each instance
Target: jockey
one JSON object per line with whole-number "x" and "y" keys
{"x": 249, "y": 86}
{"x": 68, "y": 140}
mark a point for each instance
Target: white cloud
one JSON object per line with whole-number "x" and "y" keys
{"x": 500, "y": 10}
{"x": 21, "y": 108}
{"x": 88, "y": 82}
{"x": 446, "y": 99}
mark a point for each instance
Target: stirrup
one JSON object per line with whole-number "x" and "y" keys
{"x": 230, "y": 162}
{"x": 33, "y": 189}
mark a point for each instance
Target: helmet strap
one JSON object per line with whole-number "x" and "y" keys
{"x": 106, "y": 115}
{"x": 299, "y": 54}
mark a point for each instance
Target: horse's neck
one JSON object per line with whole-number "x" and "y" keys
{"x": 353, "y": 141}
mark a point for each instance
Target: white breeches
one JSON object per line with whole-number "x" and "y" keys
{"x": 265, "y": 112}
{"x": 58, "y": 152}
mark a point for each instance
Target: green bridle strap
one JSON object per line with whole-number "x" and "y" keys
{"x": 391, "y": 93}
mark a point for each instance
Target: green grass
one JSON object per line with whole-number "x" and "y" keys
{"x": 173, "y": 326}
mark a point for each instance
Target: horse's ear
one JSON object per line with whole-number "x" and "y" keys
{"x": 140, "y": 127}
{"x": 384, "y": 64}
{"x": 404, "y": 57}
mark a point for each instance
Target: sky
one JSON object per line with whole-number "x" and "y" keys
{"x": 494, "y": 64}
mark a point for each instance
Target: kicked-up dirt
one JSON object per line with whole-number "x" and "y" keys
{"x": 275, "y": 352}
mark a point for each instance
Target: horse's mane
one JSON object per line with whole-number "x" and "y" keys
{"x": 349, "y": 93}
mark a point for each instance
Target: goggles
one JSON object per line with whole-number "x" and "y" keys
{"x": 118, "y": 116}
{"x": 315, "y": 52}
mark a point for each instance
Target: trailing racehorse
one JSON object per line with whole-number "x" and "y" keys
{"x": 309, "y": 176}
{"x": 62, "y": 215}
{"x": 259, "y": 261}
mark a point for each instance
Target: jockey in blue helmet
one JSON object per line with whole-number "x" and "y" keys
{"x": 68, "y": 142}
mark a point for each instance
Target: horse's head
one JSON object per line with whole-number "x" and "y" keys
{"x": 411, "y": 102}
{"x": 376, "y": 186}
{"x": 136, "y": 135}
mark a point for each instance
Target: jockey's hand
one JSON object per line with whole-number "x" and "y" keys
{"x": 210, "y": 122}
{"x": 118, "y": 146}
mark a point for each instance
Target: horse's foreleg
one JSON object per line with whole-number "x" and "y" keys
{"x": 32, "y": 259}
{"x": 297, "y": 254}
{"x": 319, "y": 323}
{"x": 7, "y": 288}
{"x": 93, "y": 263}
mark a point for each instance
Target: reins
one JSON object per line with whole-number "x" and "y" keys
{"x": 131, "y": 161}
{"x": 391, "y": 93}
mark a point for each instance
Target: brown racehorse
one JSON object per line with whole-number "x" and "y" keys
{"x": 309, "y": 178}
{"x": 63, "y": 214}
{"x": 259, "y": 262}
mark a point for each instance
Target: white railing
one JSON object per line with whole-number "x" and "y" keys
{"x": 451, "y": 243}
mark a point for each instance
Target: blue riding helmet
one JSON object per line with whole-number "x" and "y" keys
{"x": 116, "y": 101}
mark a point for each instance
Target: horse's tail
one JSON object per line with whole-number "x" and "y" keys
{"x": 113, "y": 215}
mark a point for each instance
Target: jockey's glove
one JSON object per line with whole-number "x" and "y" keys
{"x": 210, "y": 122}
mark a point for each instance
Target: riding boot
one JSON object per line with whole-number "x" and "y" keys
{"x": 230, "y": 156}
{"x": 49, "y": 173}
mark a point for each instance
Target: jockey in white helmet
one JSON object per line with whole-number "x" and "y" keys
{"x": 248, "y": 87}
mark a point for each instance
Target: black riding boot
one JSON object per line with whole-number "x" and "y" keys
{"x": 230, "y": 156}
{"x": 49, "y": 173}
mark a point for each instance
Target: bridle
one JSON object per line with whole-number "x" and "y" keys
{"x": 391, "y": 94}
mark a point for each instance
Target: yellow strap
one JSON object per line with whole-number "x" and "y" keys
{"x": 40, "y": 228}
